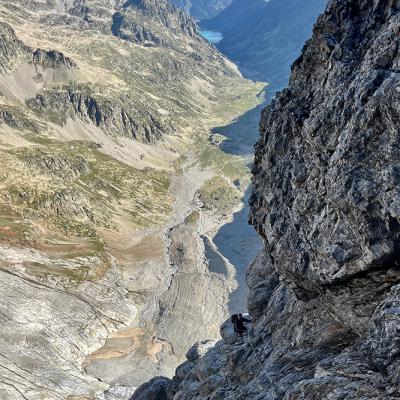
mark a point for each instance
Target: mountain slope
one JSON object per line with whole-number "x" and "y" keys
{"x": 325, "y": 291}
{"x": 202, "y": 9}
{"x": 105, "y": 110}
{"x": 264, "y": 37}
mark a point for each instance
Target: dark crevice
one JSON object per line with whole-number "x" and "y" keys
{"x": 117, "y": 21}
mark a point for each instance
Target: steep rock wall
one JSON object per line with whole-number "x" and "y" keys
{"x": 325, "y": 181}
{"x": 324, "y": 292}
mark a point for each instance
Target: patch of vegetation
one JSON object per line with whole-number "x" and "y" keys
{"x": 192, "y": 218}
{"x": 12, "y": 226}
{"x": 16, "y": 232}
{"x": 76, "y": 275}
{"x": 247, "y": 98}
{"x": 74, "y": 189}
{"x": 217, "y": 138}
{"x": 179, "y": 164}
{"x": 231, "y": 166}
{"x": 219, "y": 195}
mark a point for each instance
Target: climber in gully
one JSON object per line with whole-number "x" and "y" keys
{"x": 238, "y": 323}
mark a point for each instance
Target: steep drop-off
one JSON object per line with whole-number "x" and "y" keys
{"x": 325, "y": 291}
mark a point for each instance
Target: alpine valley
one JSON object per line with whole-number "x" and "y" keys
{"x": 113, "y": 189}
{"x": 128, "y": 175}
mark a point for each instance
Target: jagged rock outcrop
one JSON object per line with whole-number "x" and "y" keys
{"x": 12, "y": 50}
{"x": 12, "y": 117}
{"x": 114, "y": 115}
{"x": 52, "y": 59}
{"x": 156, "y": 389}
{"x": 324, "y": 292}
{"x": 325, "y": 182}
{"x": 132, "y": 22}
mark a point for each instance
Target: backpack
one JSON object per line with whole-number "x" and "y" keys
{"x": 234, "y": 318}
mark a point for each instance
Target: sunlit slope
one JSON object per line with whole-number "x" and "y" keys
{"x": 68, "y": 76}
{"x": 100, "y": 105}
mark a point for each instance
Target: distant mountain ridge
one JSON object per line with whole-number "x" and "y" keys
{"x": 264, "y": 37}
{"x": 147, "y": 21}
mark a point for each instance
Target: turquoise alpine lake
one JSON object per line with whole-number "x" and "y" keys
{"x": 212, "y": 37}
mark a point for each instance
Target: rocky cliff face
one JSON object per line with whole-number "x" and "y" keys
{"x": 324, "y": 293}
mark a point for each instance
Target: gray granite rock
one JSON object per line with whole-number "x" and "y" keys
{"x": 325, "y": 184}
{"x": 199, "y": 349}
{"x": 156, "y": 389}
{"x": 12, "y": 50}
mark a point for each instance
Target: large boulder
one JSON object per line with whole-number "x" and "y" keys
{"x": 199, "y": 349}
{"x": 157, "y": 389}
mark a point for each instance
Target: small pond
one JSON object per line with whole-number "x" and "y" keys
{"x": 213, "y": 37}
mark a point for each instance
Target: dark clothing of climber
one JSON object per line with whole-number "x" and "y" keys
{"x": 238, "y": 323}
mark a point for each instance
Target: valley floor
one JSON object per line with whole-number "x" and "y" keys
{"x": 207, "y": 245}
{"x": 93, "y": 317}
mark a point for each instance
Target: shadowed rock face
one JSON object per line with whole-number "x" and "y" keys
{"x": 52, "y": 59}
{"x": 324, "y": 292}
{"x": 325, "y": 178}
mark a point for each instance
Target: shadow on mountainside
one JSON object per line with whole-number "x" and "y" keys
{"x": 242, "y": 133}
{"x": 237, "y": 241}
